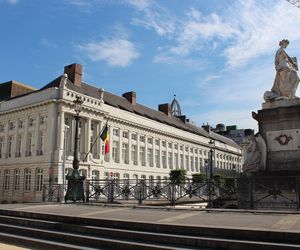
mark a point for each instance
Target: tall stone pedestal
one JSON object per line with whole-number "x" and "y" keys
{"x": 279, "y": 125}
{"x": 277, "y": 184}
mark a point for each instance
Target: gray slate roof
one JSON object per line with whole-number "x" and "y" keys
{"x": 122, "y": 103}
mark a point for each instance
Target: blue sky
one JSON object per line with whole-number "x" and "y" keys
{"x": 216, "y": 56}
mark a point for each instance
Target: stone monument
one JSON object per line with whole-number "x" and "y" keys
{"x": 272, "y": 156}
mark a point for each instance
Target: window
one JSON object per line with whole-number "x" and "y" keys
{"x": 170, "y": 160}
{"x": 163, "y": 143}
{"x": 133, "y": 136}
{"x": 196, "y": 164}
{"x": 30, "y": 144}
{"x": 192, "y": 163}
{"x": 142, "y": 138}
{"x": 125, "y": 153}
{"x": 156, "y": 157}
{"x": 175, "y": 146}
{"x": 41, "y": 142}
{"x": 164, "y": 159}
{"x": 115, "y": 151}
{"x": 1, "y": 147}
{"x": 157, "y": 142}
{"x": 125, "y": 134}
{"x": 187, "y": 162}
{"x": 170, "y": 145}
{"x": 19, "y": 146}
{"x": 150, "y": 156}
{"x": 1, "y": 127}
{"x": 176, "y": 161}
{"x": 186, "y": 149}
{"x": 143, "y": 156}
{"x": 31, "y": 122}
{"x": 181, "y": 147}
{"x": 95, "y": 180}
{"x": 181, "y": 161}
{"x": 16, "y": 179}
{"x": 116, "y": 132}
{"x": 6, "y": 179}
{"x": 134, "y": 154}
{"x": 11, "y": 125}
{"x": 67, "y": 121}
{"x": 150, "y": 140}
{"x": 191, "y": 150}
{"x": 92, "y": 126}
{"x": 39, "y": 179}
{"x": 27, "y": 179}
{"x": 10, "y": 143}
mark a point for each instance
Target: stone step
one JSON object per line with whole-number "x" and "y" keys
{"x": 203, "y": 231}
{"x": 84, "y": 241}
{"x": 35, "y": 243}
{"x": 118, "y": 238}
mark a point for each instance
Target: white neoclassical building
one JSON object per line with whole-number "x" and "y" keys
{"x": 37, "y": 134}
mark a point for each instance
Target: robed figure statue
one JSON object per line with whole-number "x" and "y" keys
{"x": 286, "y": 80}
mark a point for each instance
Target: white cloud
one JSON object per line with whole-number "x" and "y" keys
{"x": 117, "y": 52}
{"x": 12, "y": 2}
{"x": 243, "y": 32}
{"x": 153, "y": 16}
{"x": 260, "y": 27}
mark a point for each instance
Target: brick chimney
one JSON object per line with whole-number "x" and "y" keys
{"x": 165, "y": 108}
{"x": 182, "y": 118}
{"x": 74, "y": 72}
{"x": 131, "y": 97}
{"x": 207, "y": 128}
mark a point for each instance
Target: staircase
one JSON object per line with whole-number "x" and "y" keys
{"x": 49, "y": 231}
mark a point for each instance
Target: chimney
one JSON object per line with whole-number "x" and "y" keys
{"x": 74, "y": 72}
{"x": 207, "y": 128}
{"x": 131, "y": 97}
{"x": 165, "y": 108}
{"x": 182, "y": 118}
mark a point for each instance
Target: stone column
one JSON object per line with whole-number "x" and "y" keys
{"x": 37, "y": 136}
{"x": 129, "y": 146}
{"x": 120, "y": 146}
{"x": 88, "y": 139}
{"x": 25, "y": 144}
{"x": 138, "y": 149}
{"x": 146, "y": 151}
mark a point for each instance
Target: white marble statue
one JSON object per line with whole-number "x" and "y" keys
{"x": 286, "y": 80}
{"x": 255, "y": 151}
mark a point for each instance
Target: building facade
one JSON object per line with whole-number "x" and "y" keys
{"x": 37, "y": 138}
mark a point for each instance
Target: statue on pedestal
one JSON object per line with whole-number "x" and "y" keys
{"x": 286, "y": 80}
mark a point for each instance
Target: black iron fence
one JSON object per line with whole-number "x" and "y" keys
{"x": 249, "y": 193}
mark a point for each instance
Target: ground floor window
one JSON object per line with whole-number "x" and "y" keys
{"x": 27, "y": 179}
{"x": 39, "y": 179}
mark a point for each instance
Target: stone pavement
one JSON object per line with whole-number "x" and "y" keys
{"x": 246, "y": 219}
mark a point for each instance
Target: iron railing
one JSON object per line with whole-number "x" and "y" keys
{"x": 249, "y": 193}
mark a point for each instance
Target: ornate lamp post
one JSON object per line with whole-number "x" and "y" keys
{"x": 75, "y": 181}
{"x": 211, "y": 175}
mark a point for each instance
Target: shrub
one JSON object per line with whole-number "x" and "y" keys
{"x": 177, "y": 176}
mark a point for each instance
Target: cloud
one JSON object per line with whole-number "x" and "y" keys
{"x": 151, "y": 15}
{"x": 117, "y": 52}
{"x": 261, "y": 25}
{"x": 12, "y": 2}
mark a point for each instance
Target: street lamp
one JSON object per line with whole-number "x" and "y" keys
{"x": 75, "y": 180}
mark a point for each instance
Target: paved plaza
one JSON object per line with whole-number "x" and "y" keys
{"x": 246, "y": 219}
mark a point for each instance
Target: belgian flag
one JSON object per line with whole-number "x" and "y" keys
{"x": 105, "y": 137}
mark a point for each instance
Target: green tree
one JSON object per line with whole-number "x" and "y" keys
{"x": 198, "y": 178}
{"x": 177, "y": 176}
